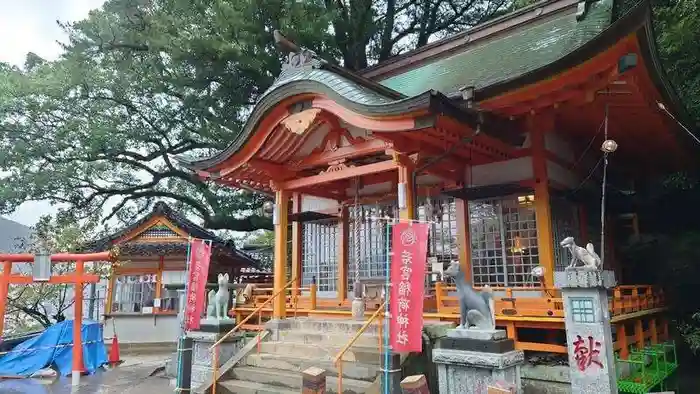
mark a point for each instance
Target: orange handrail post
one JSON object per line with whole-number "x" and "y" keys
{"x": 313, "y": 289}
{"x": 438, "y": 295}
{"x": 338, "y": 360}
{"x": 213, "y": 348}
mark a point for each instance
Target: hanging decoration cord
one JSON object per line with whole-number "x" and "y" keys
{"x": 357, "y": 235}
{"x": 602, "y": 197}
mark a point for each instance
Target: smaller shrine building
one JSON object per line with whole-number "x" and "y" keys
{"x": 144, "y": 293}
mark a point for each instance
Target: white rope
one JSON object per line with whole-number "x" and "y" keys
{"x": 357, "y": 233}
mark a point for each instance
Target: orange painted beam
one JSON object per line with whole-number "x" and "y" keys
{"x": 55, "y": 258}
{"x": 54, "y": 280}
{"x": 343, "y": 153}
{"x": 110, "y": 294}
{"x": 159, "y": 282}
{"x": 347, "y": 173}
{"x": 274, "y": 171}
{"x": 401, "y": 124}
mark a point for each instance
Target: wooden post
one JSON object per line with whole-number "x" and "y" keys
{"x": 78, "y": 324}
{"x": 110, "y": 293}
{"x": 4, "y": 291}
{"x": 159, "y": 284}
{"x": 296, "y": 246}
{"x": 652, "y": 329}
{"x": 312, "y": 292}
{"x": 416, "y": 384}
{"x": 343, "y": 250}
{"x": 639, "y": 333}
{"x": 464, "y": 238}
{"x": 622, "y": 341}
{"x": 583, "y": 224}
{"x": 543, "y": 209}
{"x": 438, "y": 295}
{"x": 406, "y": 182}
{"x": 279, "y": 304}
{"x": 313, "y": 381}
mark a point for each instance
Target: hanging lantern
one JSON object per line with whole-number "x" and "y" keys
{"x": 609, "y": 146}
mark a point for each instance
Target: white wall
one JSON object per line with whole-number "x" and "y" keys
{"x": 500, "y": 172}
{"x": 143, "y": 328}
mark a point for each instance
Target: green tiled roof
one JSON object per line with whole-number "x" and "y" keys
{"x": 507, "y": 56}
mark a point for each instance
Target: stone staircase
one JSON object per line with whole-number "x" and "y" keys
{"x": 304, "y": 343}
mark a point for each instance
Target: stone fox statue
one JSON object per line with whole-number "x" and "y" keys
{"x": 581, "y": 257}
{"x": 218, "y": 300}
{"x": 474, "y": 308}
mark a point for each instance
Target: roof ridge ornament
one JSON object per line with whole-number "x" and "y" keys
{"x": 297, "y": 57}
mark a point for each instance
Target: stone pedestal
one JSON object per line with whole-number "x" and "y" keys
{"x": 588, "y": 332}
{"x": 469, "y": 361}
{"x": 202, "y": 357}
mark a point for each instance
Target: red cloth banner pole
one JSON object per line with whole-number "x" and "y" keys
{"x": 408, "y": 259}
{"x": 200, "y": 255}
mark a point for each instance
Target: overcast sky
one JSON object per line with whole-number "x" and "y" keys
{"x": 30, "y": 26}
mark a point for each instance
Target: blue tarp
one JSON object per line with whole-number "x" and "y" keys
{"x": 53, "y": 348}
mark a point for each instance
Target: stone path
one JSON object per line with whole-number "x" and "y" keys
{"x": 132, "y": 377}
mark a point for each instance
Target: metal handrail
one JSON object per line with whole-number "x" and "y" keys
{"x": 338, "y": 360}
{"x": 256, "y": 310}
{"x": 213, "y": 348}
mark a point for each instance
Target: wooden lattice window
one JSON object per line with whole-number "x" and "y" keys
{"x": 159, "y": 231}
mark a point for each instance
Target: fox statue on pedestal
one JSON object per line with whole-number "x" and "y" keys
{"x": 474, "y": 308}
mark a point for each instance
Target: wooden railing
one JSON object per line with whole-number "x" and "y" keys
{"x": 338, "y": 360}
{"x": 215, "y": 347}
{"x": 506, "y": 304}
{"x": 630, "y": 299}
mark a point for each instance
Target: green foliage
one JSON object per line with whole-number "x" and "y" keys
{"x": 678, "y": 34}
{"x": 691, "y": 332}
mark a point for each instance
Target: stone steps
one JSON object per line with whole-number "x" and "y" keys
{"x": 234, "y": 386}
{"x": 288, "y": 380}
{"x": 367, "y": 372}
{"x": 360, "y": 354}
{"x": 328, "y": 338}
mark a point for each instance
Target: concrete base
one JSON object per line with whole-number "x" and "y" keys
{"x": 461, "y": 371}
{"x": 202, "y": 356}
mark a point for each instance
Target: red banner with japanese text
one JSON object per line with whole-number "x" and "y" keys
{"x": 408, "y": 259}
{"x": 200, "y": 254}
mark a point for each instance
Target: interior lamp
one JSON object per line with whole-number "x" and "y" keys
{"x": 525, "y": 200}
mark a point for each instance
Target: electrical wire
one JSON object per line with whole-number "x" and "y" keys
{"x": 690, "y": 133}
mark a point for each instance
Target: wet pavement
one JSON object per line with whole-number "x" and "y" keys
{"x": 132, "y": 377}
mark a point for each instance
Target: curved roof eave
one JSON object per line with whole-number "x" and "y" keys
{"x": 335, "y": 88}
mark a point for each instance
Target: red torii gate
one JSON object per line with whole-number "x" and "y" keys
{"x": 78, "y": 279}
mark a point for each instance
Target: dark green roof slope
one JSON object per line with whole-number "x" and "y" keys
{"x": 508, "y": 55}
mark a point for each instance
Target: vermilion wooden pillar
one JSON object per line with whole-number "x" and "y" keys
{"x": 405, "y": 177}
{"x": 4, "y": 289}
{"x": 538, "y": 125}
{"x": 464, "y": 238}
{"x": 279, "y": 310}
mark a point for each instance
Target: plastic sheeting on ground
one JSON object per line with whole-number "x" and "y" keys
{"x": 54, "y": 348}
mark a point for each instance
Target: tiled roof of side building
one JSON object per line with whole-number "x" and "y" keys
{"x": 506, "y": 54}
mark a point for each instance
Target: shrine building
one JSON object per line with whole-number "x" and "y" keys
{"x": 144, "y": 293}
{"x": 493, "y": 136}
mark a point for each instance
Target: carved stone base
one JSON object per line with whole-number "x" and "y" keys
{"x": 463, "y": 371}
{"x": 475, "y": 333}
{"x": 358, "y": 309}
{"x": 217, "y": 326}
{"x": 202, "y": 355}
